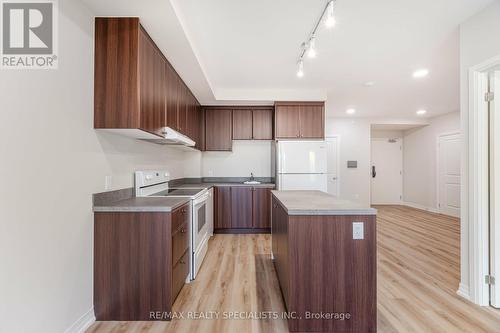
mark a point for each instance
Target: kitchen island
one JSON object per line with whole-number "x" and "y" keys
{"x": 324, "y": 252}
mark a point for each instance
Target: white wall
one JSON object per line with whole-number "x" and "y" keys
{"x": 52, "y": 162}
{"x": 420, "y": 160}
{"x": 478, "y": 42}
{"x": 386, "y": 134}
{"x": 354, "y": 146}
{"x": 246, "y": 157}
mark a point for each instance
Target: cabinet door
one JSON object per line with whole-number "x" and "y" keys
{"x": 241, "y": 207}
{"x": 262, "y": 121}
{"x": 312, "y": 122}
{"x": 242, "y": 124}
{"x": 218, "y": 130}
{"x": 152, "y": 92}
{"x": 182, "y": 106}
{"x": 287, "y": 121}
{"x": 171, "y": 76}
{"x": 222, "y": 207}
{"x": 261, "y": 208}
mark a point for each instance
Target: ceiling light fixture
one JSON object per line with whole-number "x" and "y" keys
{"x": 369, "y": 84}
{"x": 300, "y": 71}
{"x": 330, "y": 18}
{"x": 420, "y": 73}
{"x": 421, "y": 112}
{"x": 309, "y": 47}
{"x": 350, "y": 111}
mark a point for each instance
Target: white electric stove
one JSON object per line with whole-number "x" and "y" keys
{"x": 155, "y": 184}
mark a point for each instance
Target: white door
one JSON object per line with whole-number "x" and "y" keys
{"x": 332, "y": 160}
{"x": 302, "y": 157}
{"x": 449, "y": 150}
{"x": 302, "y": 182}
{"x": 495, "y": 191}
{"x": 387, "y": 171}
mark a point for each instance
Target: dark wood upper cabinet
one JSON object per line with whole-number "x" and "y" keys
{"x": 241, "y": 207}
{"x": 261, "y": 208}
{"x": 300, "y": 120}
{"x": 152, "y": 87}
{"x": 218, "y": 129}
{"x": 242, "y": 124}
{"x": 135, "y": 87}
{"x": 287, "y": 121}
{"x": 171, "y": 98}
{"x": 222, "y": 207}
{"x": 262, "y": 124}
{"x": 312, "y": 121}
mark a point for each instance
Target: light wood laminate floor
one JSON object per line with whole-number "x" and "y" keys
{"x": 418, "y": 275}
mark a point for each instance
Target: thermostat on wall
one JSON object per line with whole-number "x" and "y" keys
{"x": 352, "y": 164}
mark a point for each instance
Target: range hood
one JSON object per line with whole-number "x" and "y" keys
{"x": 172, "y": 137}
{"x": 169, "y": 137}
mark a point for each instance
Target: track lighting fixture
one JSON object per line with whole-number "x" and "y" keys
{"x": 309, "y": 47}
{"x": 300, "y": 71}
{"x": 330, "y": 18}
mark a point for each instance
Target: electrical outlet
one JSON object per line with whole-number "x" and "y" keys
{"x": 358, "y": 230}
{"x": 108, "y": 182}
{"x": 210, "y": 173}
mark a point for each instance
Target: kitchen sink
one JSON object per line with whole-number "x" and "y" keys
{"x": 251, "y": 182}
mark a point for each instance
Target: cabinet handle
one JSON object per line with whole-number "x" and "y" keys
{"x": 183, "y": 231}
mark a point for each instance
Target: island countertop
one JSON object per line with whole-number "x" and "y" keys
{"x": 319, "y": 203}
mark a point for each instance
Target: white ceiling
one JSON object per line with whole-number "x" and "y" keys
{"x": 246, "y": 51}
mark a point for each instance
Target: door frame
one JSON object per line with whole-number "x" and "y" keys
{"x": 401, "y": 200}
{"x": 438, "y": 176}
{"x": 338, "y": 160}
{"x": 474, "y": 223}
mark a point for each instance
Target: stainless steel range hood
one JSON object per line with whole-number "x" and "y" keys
{"x": 172, "y": 137}
{"x": 169, "y": 137}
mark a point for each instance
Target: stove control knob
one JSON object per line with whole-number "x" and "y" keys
{"x": 149, "y": 177}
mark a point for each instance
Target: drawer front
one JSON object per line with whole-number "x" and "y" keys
{"x": 179, "y": 275}
{"x": 179, "y": 217}
{"x": 180, "y": 242}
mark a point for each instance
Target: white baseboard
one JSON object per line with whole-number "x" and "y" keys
{"x": 463, "y": 291}
{"x": 84, "y": 322}
{"x": 422, "y": 207}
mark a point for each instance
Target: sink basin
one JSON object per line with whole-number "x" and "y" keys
{"x": 251, "y": 182}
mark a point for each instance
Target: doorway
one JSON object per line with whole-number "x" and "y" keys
{"x": 332, "y": 165}
{"x": 494, "y": 176}
{"x": 387, "y": 171}
{"x": 449, "y": 152}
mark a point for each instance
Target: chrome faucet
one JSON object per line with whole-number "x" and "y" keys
{"x": 251, "y": 176}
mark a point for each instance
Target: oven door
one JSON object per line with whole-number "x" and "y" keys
{"x": 199, "y": 232}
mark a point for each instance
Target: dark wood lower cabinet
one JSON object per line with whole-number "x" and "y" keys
{"x": 141, "y": 263}
{"x": 328, "y": 280}
{"x": 242, "y": 209}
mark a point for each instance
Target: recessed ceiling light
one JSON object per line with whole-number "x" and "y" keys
{"x": 369, "y": 84}
{"x": 421, "y": 112}
{"x": 350, "y": 111}
{"x": 420, "y": 73}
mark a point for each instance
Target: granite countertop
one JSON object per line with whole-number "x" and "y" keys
{"x": 319, "y": 203}
{"x": 212, "y": 184}
{"x": 142, "y": 204}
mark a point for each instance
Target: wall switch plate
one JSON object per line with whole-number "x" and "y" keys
{"x": 358, "y": 231}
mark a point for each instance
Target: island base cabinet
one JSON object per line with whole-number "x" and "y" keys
{"x": 327, "y": 278}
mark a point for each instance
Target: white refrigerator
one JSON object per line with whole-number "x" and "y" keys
{"x": 301, "y": 165}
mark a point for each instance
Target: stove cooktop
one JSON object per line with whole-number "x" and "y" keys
{"x": 178, "y": 192}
